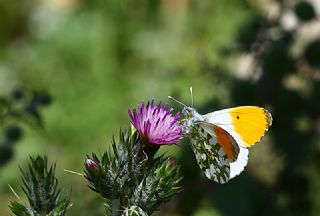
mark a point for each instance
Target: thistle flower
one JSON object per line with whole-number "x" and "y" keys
{"x": 156, "y": 124}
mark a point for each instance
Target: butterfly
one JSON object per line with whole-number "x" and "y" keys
{"x": 221, "y": 139}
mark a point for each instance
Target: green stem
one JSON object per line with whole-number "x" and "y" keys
{"x": 115, "y": 207}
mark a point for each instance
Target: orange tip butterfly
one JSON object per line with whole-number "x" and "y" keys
{"x": 221, "y": 139}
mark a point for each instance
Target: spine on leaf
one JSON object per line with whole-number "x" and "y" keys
{"x": 40, "y": 186}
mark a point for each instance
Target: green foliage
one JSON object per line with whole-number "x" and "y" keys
{"x": 132, "y": 176}
{"x": 6, "y": 153}
{"x": 41, "y": 188}
{"x": 305, "y": 11}
{"x": 21, "y": 106}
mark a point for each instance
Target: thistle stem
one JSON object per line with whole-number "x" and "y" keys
{"x": 115, "y": 205}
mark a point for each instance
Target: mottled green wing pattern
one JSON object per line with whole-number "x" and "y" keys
{"x": 210, "y": 156}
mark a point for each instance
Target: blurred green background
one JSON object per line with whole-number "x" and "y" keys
{"x": 98, "y": 58}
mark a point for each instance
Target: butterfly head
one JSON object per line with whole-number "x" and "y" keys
{"x": 191, "y": 113}
{"x": 191, "y": 117}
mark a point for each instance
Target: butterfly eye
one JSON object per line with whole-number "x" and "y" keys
{"x": 186, "y": 112}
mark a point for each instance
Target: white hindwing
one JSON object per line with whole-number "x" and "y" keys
{"x": 237, "y": 166}
{"x": 211, "y": 158}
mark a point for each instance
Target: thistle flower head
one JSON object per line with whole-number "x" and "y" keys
{"x": 156, "y": 124}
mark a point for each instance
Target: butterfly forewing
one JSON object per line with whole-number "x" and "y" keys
{"x": 246, "y": 124}
{"x": 210, "y": 156}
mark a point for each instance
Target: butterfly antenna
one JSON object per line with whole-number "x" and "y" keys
{"x": 191, "y": 96}
{"x": 177, "y": 101}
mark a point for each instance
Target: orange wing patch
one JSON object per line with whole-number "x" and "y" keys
{"x": 250, "y": 123}
{"x": 227, "y": 142}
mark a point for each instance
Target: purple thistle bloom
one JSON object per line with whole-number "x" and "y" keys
{"x": 156, "y": 124}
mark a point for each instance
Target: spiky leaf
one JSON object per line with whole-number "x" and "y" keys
{"x": 40, "y": 187}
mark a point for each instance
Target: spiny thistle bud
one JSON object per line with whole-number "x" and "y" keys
{"x": 172, "y": 164}
{"x": 91, "y": 163}
{"x": 130, "y": 181}
{"x": 40, "y": 187}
